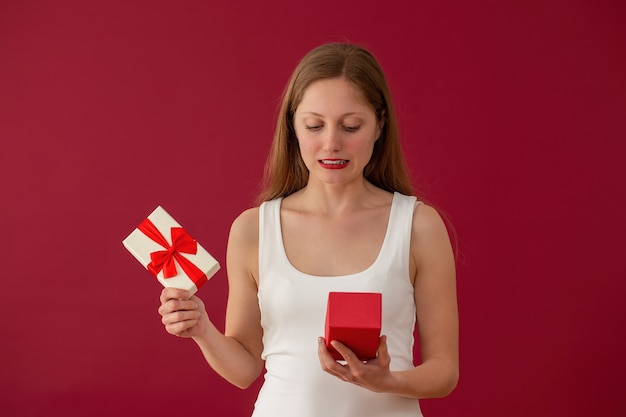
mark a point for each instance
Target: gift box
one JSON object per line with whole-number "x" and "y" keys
{"x": 165, "y": 249}
{"x": 354, "y": 319}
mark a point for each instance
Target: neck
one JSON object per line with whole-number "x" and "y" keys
{"x": 340, "y": 198}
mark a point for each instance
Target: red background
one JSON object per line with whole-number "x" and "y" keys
{"x": 513, "y": 119}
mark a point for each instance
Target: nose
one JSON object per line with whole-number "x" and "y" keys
{"x": 332, "y": 140}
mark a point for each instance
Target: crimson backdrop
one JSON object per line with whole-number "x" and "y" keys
{"x": 512, "y": 114}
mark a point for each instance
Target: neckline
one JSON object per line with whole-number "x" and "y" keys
{"x": 283, "y": 251}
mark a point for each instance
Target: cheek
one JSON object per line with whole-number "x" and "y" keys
{"x": 308, "y": 152}
{"x": 305, "y": 143}
{"x": 363, "y": 145}
{"x": 301, "y": 138}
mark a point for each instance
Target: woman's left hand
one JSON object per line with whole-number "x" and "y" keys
{"x": 373, "y": 375}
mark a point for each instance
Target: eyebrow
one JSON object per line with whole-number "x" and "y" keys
{"x": 354, "y": 113}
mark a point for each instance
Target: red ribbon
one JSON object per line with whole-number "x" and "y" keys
{"x": 163, "y": 260}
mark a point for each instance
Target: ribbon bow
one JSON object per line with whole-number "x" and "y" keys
{"x": 163, "y": 260}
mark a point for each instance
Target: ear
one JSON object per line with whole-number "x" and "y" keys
{"x": 381, "y": 124}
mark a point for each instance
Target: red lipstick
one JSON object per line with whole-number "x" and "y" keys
{"x": 333, "y": 163}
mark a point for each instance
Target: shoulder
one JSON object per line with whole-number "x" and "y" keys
{"x": 246, "y": 225}
{"x": 426, "y": 219}
{"x": 243, "y": 244}
{"x": 429, "y": 235}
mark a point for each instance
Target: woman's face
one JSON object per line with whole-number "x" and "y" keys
{"x": 336, "y": 129}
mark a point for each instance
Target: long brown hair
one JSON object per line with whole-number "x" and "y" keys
{"x": 285, "y": 171}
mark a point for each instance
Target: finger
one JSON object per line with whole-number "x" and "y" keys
{"x": 174, "y": 293}
{"x": 179, "y": 328}
{"x": 328, "y": 363}
{"x": 180, "y": 316}
{"x": 345, "y": 352}
{"x": 323, "y": 353}
{"x": 382, "y": 346}
{"x": 173, "y": 305}
{"x": 351, "y": 371}
{"x": 198, "y": 301}
{"x": 383, "y": 357}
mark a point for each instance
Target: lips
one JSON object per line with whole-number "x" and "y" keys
{"x": 333, "y": 163}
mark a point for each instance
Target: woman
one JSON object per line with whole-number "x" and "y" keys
{"x": 336, "y": 215}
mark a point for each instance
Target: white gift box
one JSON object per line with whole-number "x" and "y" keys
{"x": 165, "y": 248}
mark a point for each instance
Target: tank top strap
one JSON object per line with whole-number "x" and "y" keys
{"x": 270, "y": 239}
{"x": 395, "y": 250}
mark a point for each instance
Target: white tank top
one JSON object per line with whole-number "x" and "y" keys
{"x": 293, "y": 308}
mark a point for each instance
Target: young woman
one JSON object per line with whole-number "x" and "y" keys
{"x": 336, "y": 214}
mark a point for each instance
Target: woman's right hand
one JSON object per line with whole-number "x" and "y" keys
{"x": 182, "y": 315}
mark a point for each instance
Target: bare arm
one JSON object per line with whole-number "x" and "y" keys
{"x": 437, "y": 311}
{"x": 433, "y": 270}
{"x": 236, "y": 354}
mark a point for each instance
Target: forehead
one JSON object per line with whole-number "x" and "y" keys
{"x": 332, "y": 96}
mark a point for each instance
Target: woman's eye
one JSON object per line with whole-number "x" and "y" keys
{"x": 313, "y": 128}
{"x": 351, "y": 128}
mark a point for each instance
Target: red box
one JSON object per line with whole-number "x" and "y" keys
{"x": 354, "y": 319}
